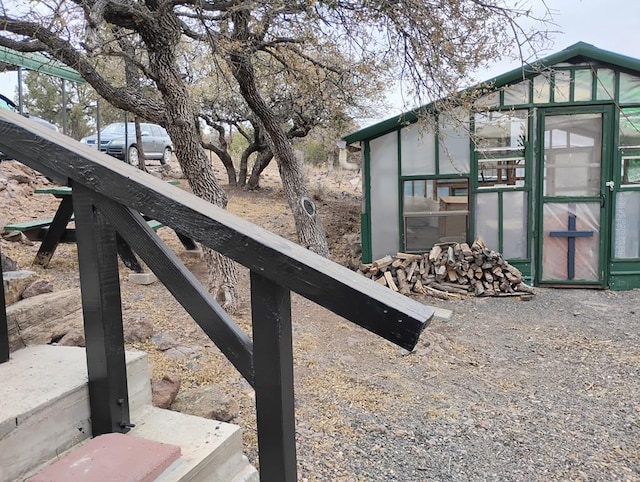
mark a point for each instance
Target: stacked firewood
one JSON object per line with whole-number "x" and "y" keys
{"x": 449, "y": 270}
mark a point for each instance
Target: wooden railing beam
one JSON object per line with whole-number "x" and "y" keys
{"x": 273, "y": 360}
{"x": 360, "y": 300}
{"x": 182, "y": 284}
{"x": 4, "y": 331}
{"x": 102, "y": 312}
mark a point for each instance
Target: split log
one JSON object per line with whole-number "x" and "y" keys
{"x": 448, "y": 267}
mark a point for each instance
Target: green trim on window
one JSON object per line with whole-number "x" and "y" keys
{"x": 400, "y": 195}
{"x": 365, "y": 218}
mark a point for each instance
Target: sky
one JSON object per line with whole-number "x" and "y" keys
{"x": 612, "y": 25}
{"x": 607, "y": 24}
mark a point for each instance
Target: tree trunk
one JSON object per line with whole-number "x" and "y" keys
{"x": 309, "y": 226}
{"x": 227, "y": 162}
{"x": 183, "y": 128}
{"x": 223, "y": 152}
{"x": 244, "y": 161}
{"x": 263, "y": 159}
{"x": 142, "y": 159}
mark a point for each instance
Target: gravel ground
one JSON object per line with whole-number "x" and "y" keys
{"x": 545, "y": 389}
{"x": 538, "y": 390}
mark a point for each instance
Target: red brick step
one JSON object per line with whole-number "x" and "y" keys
{"x": 113, "y": 457}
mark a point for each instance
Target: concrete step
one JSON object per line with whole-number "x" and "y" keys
{"x": 44, "y": 414}
{"x": 44, "y": 406}
{"x": 211, "y": 450}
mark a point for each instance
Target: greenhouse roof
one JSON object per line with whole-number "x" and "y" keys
{"x": 576, "y": 53}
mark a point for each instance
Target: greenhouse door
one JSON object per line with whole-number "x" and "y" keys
{"x": 575, "y": 194}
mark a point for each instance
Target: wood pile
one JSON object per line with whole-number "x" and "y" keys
{"x": 449, "y": 270}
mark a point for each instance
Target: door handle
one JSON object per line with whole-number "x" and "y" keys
{"x": 611, "y": 185}
{"x": 602, "y": 200}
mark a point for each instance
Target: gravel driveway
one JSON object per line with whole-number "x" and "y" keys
{"x": 546, "y": 389}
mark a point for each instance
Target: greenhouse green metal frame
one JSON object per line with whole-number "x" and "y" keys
{"x": 582, "y": 79}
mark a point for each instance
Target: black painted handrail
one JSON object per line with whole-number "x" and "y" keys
{"x": 110, "y": 196}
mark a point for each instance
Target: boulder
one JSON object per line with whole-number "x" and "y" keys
{"x": 207, "y": 402}
{"x": 38, "y": 287}
{"x": 44, "y": 318}
{"x": 15, "y": 282}
{"x": 164, "y": 392}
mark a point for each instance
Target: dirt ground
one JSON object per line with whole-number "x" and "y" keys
{"x": 545, "y": 389}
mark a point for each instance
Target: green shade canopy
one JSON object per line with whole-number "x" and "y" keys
{"x": 39, "y": 63}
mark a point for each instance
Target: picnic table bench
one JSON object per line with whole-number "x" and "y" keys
{"x": 53, "y": 231}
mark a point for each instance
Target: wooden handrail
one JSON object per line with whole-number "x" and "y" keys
{"x": 109, "y": 196}
{"x": 397, "y": 318}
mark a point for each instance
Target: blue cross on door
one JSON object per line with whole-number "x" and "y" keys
{"x": 571, "y": 234}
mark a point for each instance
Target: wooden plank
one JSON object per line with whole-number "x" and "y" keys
{"x": 28, "y": 225}
{"x": 396, "y": 318}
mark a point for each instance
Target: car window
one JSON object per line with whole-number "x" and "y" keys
{"x": 155, "y": 131}
{"x": 6, "y": 103}
{"x": 113, "y": 130}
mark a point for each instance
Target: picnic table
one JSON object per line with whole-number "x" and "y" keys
{"x": 52, "y": 232}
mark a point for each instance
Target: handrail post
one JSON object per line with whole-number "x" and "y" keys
{"x": 273, "y": 364}
{"x": 4, "y": 331}
{"x": 102, "y": 311}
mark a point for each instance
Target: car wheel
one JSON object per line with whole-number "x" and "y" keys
{"x": 133, "y": 156}
{"x": 166, "y": 156}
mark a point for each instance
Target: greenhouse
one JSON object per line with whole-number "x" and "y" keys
{"x": 544, "y": 167}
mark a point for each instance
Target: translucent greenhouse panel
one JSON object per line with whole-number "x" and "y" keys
{"x": 488, "y": 101}
{"x": 582, "y": 85}
{"x": 501, "y": 130}
{"x": 517, "y": 94}
{"x": 558, "y": 257}
{"x": 385, "y": 233}
{"x": 629, "y": 88}
{"x": 487, "y": 219}
{"x": 573, "y": 150}
{"x": 606, "y": 84}
{"x": 454, "y": 140}
{"x": 541, "y": 89}
{"x": 629, "y": 127}
{"x": 627, "y": 233}
{"x": 418, "y": 148}
{"x": 514, "y": 224}
{"x": 562, "y": 84}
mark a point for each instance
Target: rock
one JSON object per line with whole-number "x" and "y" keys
{"x": 182, "y": 352}
{"x": 8, "y": 264}
{"x": 15, "y": 282}
{"x": 137, "y": 330}
{"x": 74, "y": 337}
{"x": 164, "y": 341}
{"x": 164, "y": 391}
{"x": 21, "y": 178}
{"x": 38, "y": 287}
{"x": 44, "y": 318}
{"x": 207, "y": 402}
